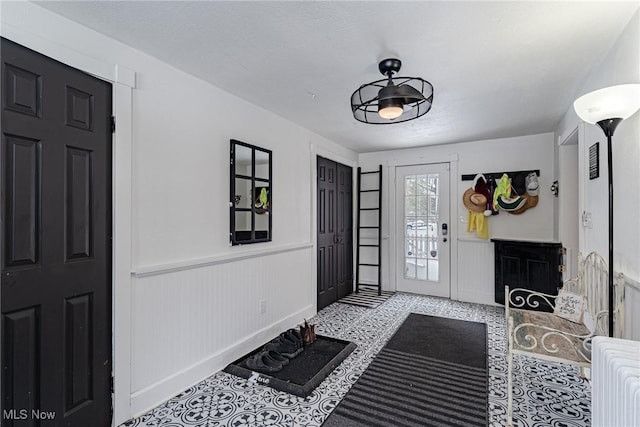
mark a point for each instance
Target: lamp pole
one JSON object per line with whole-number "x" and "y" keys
{"x": 607, "y": 107}
{"x": 608, "y": 126}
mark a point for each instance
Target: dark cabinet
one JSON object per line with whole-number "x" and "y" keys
{"x": 530, "y": 265}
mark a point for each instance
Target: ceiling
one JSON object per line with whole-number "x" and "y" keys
{"x": 499, "y": 69}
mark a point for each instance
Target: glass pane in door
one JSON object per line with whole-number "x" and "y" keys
{"x": 421, "y": 196}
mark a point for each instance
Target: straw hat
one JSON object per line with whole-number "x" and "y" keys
{"x": 473, "y": 201}
{"x": 532, "y": 202}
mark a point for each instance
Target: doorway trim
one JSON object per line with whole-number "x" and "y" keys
{"x": 123, "y": 81}
{"x": 454, "y": 202}
{"x": 572, "y": 184}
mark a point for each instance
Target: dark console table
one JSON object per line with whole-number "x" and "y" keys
{"x": 527, "y": 264}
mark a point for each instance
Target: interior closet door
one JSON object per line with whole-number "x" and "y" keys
{"x": 335, "y": 229}
{"x": 56, "y": 243}
{"x": 344, "y": 217}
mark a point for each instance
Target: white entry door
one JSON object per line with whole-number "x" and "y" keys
{"x": 422, "y": 229}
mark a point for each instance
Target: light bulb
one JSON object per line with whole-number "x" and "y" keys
{"x": 391, "y": 112}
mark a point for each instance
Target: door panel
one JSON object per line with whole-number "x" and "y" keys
{"x": 21, "y": 355}
{"x": 327, "y": 276}
{"x": 78, "y": 199}
{"x": 422, "y": 212}
{"x": 344, "y": 216}
{"x": 56, "y": 249}
{"x": 335, "y": 229}
{"x": 78, "y": 313}
{"x": 23, "y": 201}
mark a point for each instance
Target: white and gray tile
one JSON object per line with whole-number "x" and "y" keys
{"x": 545, "y": 394}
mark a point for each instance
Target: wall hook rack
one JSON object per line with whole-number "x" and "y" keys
{"x": 498, "y": 175}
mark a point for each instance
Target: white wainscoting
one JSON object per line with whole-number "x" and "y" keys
{"x": 476, "y": 271}
{"x": 188, "y": 323}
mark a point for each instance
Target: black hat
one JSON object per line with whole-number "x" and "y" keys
{"x": 518, "y": 184}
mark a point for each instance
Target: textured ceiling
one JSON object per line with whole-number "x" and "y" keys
{"x": 499, "y": 69}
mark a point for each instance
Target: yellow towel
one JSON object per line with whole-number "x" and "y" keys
{"x": 480, "y": 223}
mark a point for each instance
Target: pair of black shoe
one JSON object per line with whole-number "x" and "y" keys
{"x": 267, "y": 361}
{"x": 276, "y": 353}
{"x": 288, "y": 343}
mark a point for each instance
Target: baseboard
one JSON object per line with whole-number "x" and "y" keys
{"x": 149, "y": 397}
{"x": 476, "y": 298}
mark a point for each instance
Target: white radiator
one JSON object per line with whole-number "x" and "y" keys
{"x": 615, "y": 394}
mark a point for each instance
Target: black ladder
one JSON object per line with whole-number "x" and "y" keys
{"x": 377, "y": 227}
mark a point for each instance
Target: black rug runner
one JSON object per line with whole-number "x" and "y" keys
{"x": 432, "y": 372}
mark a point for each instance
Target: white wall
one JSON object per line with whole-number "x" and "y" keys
{"x": 620, "y": 66}
{"x": 498, "y": 155}
{"x": 186, "y": 304}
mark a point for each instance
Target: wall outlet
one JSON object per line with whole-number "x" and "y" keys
{"x": 263, "y": 306}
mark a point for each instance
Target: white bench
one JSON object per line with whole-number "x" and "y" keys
{"x": 550, "y": 337}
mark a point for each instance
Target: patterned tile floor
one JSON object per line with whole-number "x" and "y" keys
{"x": 545, "y": 394}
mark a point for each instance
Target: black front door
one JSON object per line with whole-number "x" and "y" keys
{"x": 56, "y": 243}
{"x": 335, "y": 228}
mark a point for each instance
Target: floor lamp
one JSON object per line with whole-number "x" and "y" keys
{"x": 607, "y": 108}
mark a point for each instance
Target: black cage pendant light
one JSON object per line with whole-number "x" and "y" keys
{"x": 393, "y": 99}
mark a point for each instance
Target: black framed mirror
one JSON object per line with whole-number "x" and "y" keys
{"x": 250, "y": 194}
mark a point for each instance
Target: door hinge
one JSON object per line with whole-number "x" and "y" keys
{"x": 113, "y": 124}
{"x": 562, "y": 268}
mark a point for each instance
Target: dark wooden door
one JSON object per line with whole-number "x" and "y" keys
{"x": 56, "y": 242}
{"x": 335, "y": 219}
{"x": 344, "y": 221}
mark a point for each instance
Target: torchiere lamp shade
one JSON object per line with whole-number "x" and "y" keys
{"x": 615, "y": 102}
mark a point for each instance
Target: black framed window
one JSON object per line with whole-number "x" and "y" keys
{"x": 250, "y": 194}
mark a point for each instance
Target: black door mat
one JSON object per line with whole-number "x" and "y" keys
{"x": 366, "y": 297}
{"x": 304, "y": 372}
